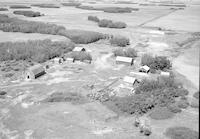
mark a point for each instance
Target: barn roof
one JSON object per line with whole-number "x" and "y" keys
{"x": 129, "y": 79}
{"x": 124, "y": 59}
{"x": 36, "y": 69}
{"x": 78, "y": 49}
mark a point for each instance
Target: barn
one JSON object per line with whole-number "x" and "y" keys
{"x": 124, "y": 60}
{"x": 35, "y": 72}
{"x": 144, "y": 69}
{"x": 79, "y": 49}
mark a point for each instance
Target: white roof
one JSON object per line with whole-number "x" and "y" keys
{"x": 124, "y": 59}
{"x": 145, "y": 67}
{"x": 78, "y": 49}
{"x": 164, "y": 73}
{"x": 157, "y": 32}
{"x": 69, "y": 58}
{"x": 129, "y": 79}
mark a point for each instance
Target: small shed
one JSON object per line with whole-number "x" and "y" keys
{"x": 58, "y": 60}
{"x": 35, "y": 72}
{"x": 167, "y": 74}
{"x": 130, "y": 80}
{"x": 144, "y": 69}
{"x": 124, "y": 60}
{"x": 79, "y": 49}
{"x": 69, "y": 59}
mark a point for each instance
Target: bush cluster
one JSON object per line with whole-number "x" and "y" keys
{"x": 110, "y": 24}
{"x": 119, "y": 41}
{"x": 45, "y": 5}
{"x": 19, "y": 7}
{"x": 196, "y": 95}
{"x": 28, "y": 13}
{"x": 3, "y": 9}
{"x": 80, "y": 56}
{"x": 161, "y": 113}
{"x": 129, "y": 52}
{"x": 148, "y": 95}
{"x": 181, "y": 133}
{"x": 93, "y": 18}
{"x": 38, "y": 51}
{"x": 156, "y": 63}
{"x": 8, "y": 24}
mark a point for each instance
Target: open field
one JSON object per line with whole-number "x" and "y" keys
{"x": 64, "y": 103}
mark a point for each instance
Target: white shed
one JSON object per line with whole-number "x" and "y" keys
{"x": 58, "y": 60}
{"x": 162, "y": 73}
{"x": 69, "y": 59}
{"x": 79, "y": 49}
{"x": 144, "y": 69}
{"x": 130, "y": 80}
{"x": 124, "y": 60}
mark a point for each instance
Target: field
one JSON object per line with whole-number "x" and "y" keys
{"x": 59, "y": 103}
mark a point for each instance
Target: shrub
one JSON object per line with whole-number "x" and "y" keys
{"x": 196, "y": 95}
{"x": 45, "y": 5}
{"x": 130, "y": 52}
{"x": 119, "y": 41}
{"x": 3, "y": 9}
{"x": 39, "y": 50}
{"x": 81, "y": 56}
{"x": 3, "y": 93}
{"x": 17, "y": 25}
{"x": 181, "y": 133}
{"x": 74, "y": 98}
{"x": 183, "y": 104}
{"x": 93, "y": 18}
{"x": 194, "y": 104}
{"x": 117, "y": 25}
{"x": 86, "y": 7}
{"x": 161, "y": 113}
{"x": 71, "y": 4}
{"x": 117, "y": 10}
{"x": 19, "y": 7}
{"x": 28, "y": 13}
{"x": 104, "y": 23}
{"x": 174, "y": 108}
{"x": 156, "y": 63}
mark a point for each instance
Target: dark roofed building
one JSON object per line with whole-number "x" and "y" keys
{"x": 35, "y": 72}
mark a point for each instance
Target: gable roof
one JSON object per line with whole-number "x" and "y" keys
{"x": 36, "y": 69}
{"x": 124, "y": 59}
{"x": 129, "y": 79}
{"x": 78, "y": 49}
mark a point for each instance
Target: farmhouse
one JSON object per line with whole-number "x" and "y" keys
{"x": 162, "y": 73}
{"x": 79, "y": 49}
{"x": 35, "y": 72}
{"x": 124, "y": 60}
{"x": 144, "y": 69}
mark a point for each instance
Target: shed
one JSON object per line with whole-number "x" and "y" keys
{"x": 162, "y": 73}
{"x": 144, "y": 69}
{"x": 70, "y": 59}
{"x": 124, "y": 60}
{"x": 79, "y": 49}
{"x": 130, "y": 80}
{"x": 58, "y": 60}
{"x": 35, "y": 72}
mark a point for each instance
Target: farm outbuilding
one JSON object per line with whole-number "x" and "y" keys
{"x": 124, "y": 60}
{"x": 144, "y": 69}
{"x": 166, "y": 74}
{"x": 58, "y": 60}
{"x": 35, "y": 72}
{"x": 79, "y": 49}
{"x": 130, "y": 80}
{"x": 69, "y": 59}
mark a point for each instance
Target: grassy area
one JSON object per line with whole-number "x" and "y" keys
{"x": 161, "y": 113}
{"x": 3, "y": 9}
{"x": 19, "y": 7}
{"x": 8, "y": 24}
{"x": 28, "y": 13}
{"x": 181, "y": 133}
{"x": 109, "y": 9}
{"x": 38, "y": 51}
{"x": 129, "y": 52}
{"x": 46, "y": 5}
{"x": 119, "y": 41}
{"x": 74, "y": 4}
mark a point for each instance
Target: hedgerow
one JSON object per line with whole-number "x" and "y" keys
{"x": 71, "y": 4}
{"x": 28, "y": 13}
{"x": 38, "y": 51}
{"x": 8, "y": 24}
{"x": 3, "y": 9}
{"x": 46, "y": 5}
{"x": 156, "y": 63}
{"x": 119, "y": 41}
{"x": 19, "y": 7}
{"x": 129, "y": 52}
{"x": 111, "y": 24}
